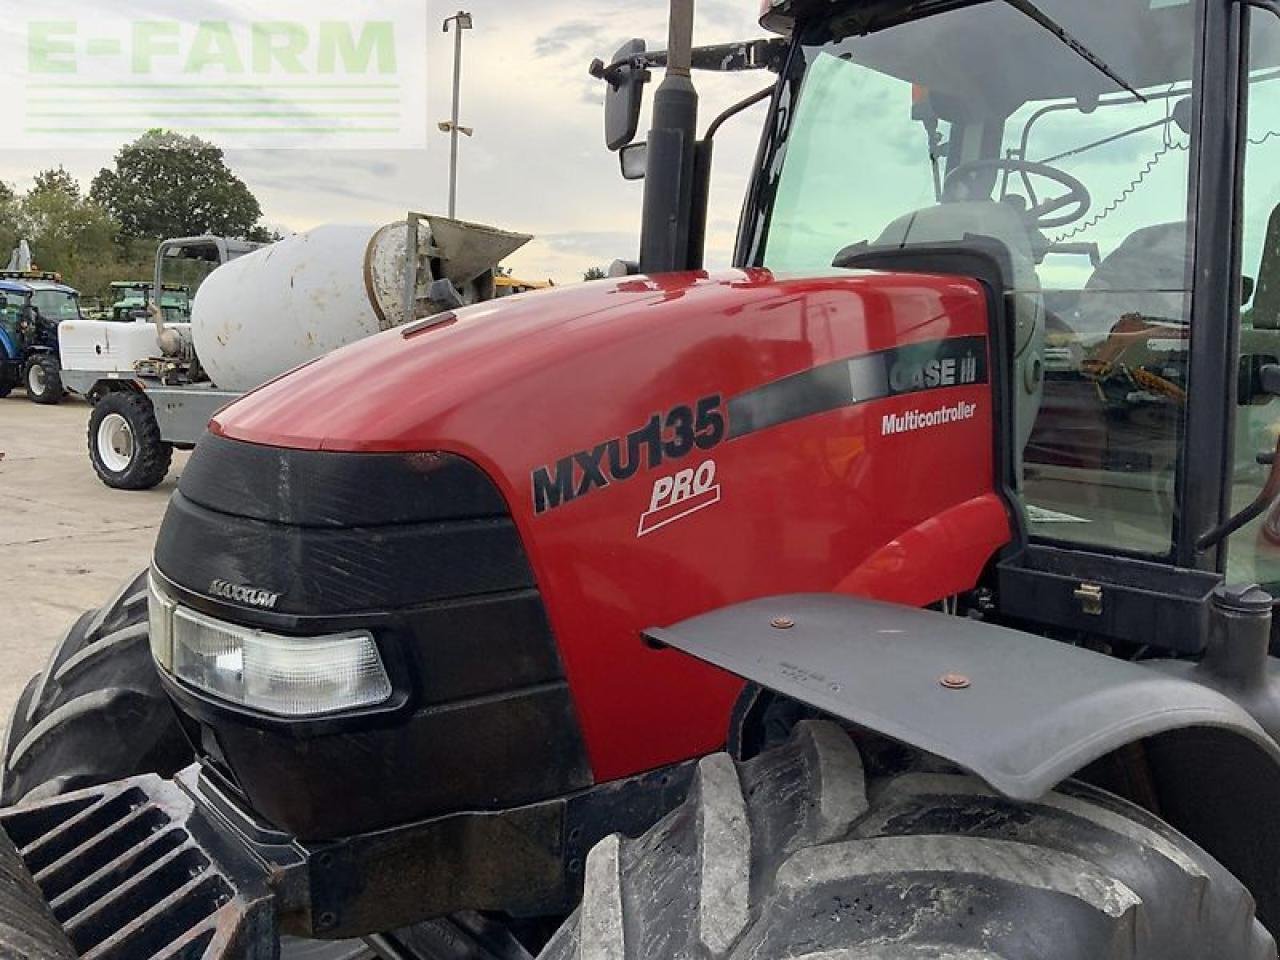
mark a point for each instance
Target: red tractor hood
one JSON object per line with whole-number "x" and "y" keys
{"x": 670, "y": 445}
{"x": 571, "y": 361}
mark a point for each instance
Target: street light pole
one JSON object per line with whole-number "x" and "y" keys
{"x": 461, "y": 21}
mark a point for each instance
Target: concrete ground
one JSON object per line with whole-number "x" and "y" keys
{"x": 66, "y": 541}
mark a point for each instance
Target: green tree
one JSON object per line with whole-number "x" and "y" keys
{"x": 168, "y": 185}
{"x": 10, "y": 232}
{"x": 595, "y": 273}
{"x": 68, "y": 231}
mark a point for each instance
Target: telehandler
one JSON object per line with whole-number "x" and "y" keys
{"x": 899, "y": 593}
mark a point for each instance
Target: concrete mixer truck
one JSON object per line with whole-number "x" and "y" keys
{"x": 261, "y": 311}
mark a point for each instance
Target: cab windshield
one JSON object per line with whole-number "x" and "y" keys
{"x": 132, "y": 293}
{"x": 56, "y": 305}
{"x": 980, "y": 122}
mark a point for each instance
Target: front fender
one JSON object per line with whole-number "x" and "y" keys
{"x": 1020, "y": 711}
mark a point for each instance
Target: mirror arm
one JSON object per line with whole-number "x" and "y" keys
{"x": 609, "y": 74}
{"x": 1266, "y": 497}
{"x": 718, "y": 58}
{"x": 737, "y": 108}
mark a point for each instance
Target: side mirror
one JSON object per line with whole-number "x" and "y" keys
{"x": 625, "y": 95}
{"x": 634, "y": 158}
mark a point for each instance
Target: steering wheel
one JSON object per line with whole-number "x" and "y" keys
{"x": 1041, "y": 214}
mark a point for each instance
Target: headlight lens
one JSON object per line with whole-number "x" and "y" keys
{"x": 267, "y": 672}
{"x": 160, "y": 617}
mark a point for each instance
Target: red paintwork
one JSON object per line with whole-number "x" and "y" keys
{"x": 818, "y": 504}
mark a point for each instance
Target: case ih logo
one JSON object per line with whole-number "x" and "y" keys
{"x": 675, "y": 498}
{"x": 943, "y": 372}
{"x": 249, "y": 596}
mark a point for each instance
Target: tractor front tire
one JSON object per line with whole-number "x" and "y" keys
{"x": 798, "y": 854}
{"x": 97, "y": 713}
{"x": 8, "y": 376}
{"x": 125, "y": 446}
{"x": 43, "y": 377}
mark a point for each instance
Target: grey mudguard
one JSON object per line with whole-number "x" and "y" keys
{"x": 1034, "y": 711}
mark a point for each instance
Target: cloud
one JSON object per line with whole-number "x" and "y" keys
{"x": 567, "y": 36}
{"x": 721, "y": 13}
{"x": 601, "y": 243}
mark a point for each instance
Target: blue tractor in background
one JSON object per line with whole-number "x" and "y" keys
{"x": 32, "y": 305}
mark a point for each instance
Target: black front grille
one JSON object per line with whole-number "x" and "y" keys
{"x": 418, "y": 550}
{"x": 330, "y": 570}
{"x": 339, "y": 533}
{"x": 314, "y": 488}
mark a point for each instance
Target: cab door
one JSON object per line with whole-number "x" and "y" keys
{"x": 1253, "y": 554}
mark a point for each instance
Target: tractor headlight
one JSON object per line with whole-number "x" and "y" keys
{"x": 267, "y": 672}
{"x": 160, "y": 621}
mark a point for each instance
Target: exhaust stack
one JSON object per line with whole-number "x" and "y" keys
{"x": 668, "y": 192}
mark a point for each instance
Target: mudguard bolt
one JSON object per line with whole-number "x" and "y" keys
{"x": 782, "y": 623}
{"x": 955, "y": 681}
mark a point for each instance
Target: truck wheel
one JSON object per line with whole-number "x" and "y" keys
{"x": 97, "y": 713}
{"x": 124, "y": 442}
{"x": 44, "y": 380}
{"x": 797, "y": 853}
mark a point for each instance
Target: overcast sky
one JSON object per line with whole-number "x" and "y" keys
{"x": 537, "y": 162}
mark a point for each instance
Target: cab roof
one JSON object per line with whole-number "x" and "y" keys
{"x": 33, "y": 286}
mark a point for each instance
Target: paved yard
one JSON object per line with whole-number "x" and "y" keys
{"x": 66, "y": 540}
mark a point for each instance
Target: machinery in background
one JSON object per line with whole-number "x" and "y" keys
{"x": 131, "y": 298}
{"x": 259, "y": 311}
{"x": 506, "y": 285}
{"x": 33, "y": 307}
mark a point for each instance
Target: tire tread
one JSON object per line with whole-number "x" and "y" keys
{"x": 154, "y": 455}
{"x": 913, "y": 866}
{"x": 97, "y": 712}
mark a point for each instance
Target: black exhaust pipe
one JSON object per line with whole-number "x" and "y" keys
{"x": 668, "y": 191}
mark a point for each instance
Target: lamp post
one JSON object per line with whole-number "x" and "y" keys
{"x": 461, "y": 21}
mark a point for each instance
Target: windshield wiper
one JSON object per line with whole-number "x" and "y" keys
{"x": 1029, "y": 8}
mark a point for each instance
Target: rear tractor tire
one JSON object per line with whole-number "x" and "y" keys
{"x": 125, "y": 446}
{"x": 798, "y": 853}
{"x": 97, "y": 713}
{"x": 43, "y": 378}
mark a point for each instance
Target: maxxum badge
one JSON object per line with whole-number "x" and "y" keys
{"x": 916, "y": 368}
{"x": 249, "y": 596}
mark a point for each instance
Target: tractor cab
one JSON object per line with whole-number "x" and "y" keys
{"x": 1116, "y": 166}
{"x": 130, "y": 299}
{"x": 32, "y": 306}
